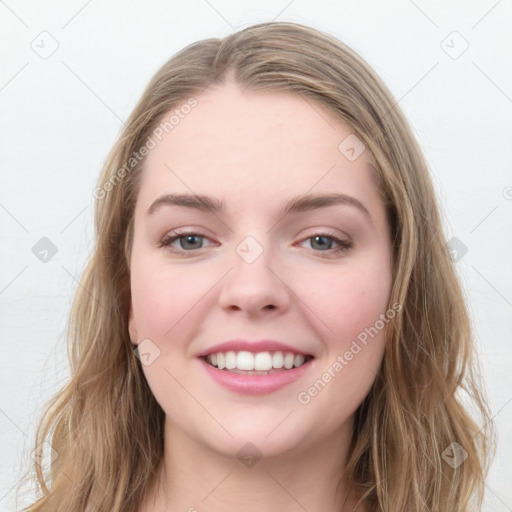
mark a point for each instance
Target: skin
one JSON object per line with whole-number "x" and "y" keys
{"x": 255, "y": 151}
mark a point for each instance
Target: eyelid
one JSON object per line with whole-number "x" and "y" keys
{"x": 176, "y": 234}
{"x": 330, "y": 232}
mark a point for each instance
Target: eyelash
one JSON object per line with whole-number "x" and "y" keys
{"x": 344, "y": 245}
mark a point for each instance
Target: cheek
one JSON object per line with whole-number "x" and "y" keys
{"x": 345, "y": 374}
{"x": 167, "y": 302}
{"x": 349, "y": 300}
{"x": 164, "y": 296}
{"x": 350, "y": 304}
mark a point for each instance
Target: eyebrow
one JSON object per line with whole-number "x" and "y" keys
{"x": 294, "y": 205}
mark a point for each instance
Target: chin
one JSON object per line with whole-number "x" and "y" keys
{"x": 259, "y": 439}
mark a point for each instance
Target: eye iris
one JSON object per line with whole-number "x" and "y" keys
{"x": 323, "y": 241}
{"x": 191, "y": 242}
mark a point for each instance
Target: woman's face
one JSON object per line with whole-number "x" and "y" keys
{"x": 282, "y": 255}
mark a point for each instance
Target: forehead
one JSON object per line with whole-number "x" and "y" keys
{"x": 253, "y": 147}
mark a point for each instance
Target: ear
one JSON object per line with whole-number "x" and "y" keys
{"x": 132, "y": 327}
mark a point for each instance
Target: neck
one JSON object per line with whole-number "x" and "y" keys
{"x": 195, "y": 478}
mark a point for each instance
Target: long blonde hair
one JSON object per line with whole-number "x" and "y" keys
{"x": 106, "y": 426}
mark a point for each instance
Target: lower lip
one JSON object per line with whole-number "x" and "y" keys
{"x": 255, "y": 384}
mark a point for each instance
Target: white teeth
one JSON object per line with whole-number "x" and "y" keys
{"x": 245, "y": 360}
{"x": 299, "y": 359}
{"x": 277, "y": 360}
{"x": 264, "y": 362}
{"x": 230, "y": 360}
{"x": 288, "y": 361}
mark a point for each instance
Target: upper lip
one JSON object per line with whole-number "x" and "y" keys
{"x": 251, "y": 346}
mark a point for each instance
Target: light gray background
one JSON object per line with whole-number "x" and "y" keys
{"x": 61, "y": 114}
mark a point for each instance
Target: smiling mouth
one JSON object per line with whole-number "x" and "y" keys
{"x": 260, "y": 363}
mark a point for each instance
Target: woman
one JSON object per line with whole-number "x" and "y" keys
{"x": 269, "y": 243}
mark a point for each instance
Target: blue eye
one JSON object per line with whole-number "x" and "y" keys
{"x": 189, "y": 242}
{"x": 324, "y": 243}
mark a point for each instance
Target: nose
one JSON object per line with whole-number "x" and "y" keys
{"x": 255, "y": 288}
